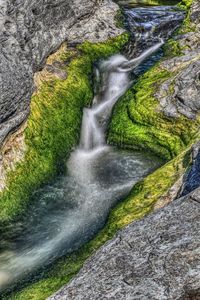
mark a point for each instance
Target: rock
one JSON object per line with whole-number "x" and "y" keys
{"x": 29, "y": 32}
{"x": 180, "y": 94}
{"x": 192, "y": 177}
{"x": 186, "y": 90}
{"x": 157, "y": 257}
{"x": 52, "y": 69}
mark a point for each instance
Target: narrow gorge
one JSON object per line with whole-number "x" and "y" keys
{"x": 99, "y": 133}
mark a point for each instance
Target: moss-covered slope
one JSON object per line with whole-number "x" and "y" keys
{"x": 137, "y": 121}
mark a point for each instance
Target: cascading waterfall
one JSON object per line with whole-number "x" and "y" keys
{"x": 69, "y": 212}
{"x": 115, "y": 81}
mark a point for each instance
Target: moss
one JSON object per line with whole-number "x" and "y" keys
{"x": 53, "y": 126}
{"x": 120, "y": 19}
{"x": 172, "y": 48}
{"x": 187, "y": 25}
{"x": 138, "y": 123}
{"x": 186, "y": 4}
{"x": 137, "y": 120}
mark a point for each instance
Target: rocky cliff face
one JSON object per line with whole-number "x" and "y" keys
{"x": 29, "y": 32}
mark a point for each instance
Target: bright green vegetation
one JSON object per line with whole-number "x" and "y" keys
{"x": 186, "y": 3}
{"x": 139, "y": 203}
{"x": 173, "y": 48}
{"x": 138, "y": 123}
{"x": 187, "y": 26}
{"x": 53, "y": 126}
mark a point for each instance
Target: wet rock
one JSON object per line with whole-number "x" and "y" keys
{"x": 155, "y": 258}
{"x": 29, "y": 32}
{"x": 192, "y": 177}
{"x": 159, "y": 23}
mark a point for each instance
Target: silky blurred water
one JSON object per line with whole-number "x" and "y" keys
{"x": 70, "y": 211}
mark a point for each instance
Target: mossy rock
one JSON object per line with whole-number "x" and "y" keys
{"x": 54, "y": 125}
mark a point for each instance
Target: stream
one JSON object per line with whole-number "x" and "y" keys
{"x": 70, "y": 211}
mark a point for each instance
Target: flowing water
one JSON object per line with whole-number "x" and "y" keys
{"x": 69, "y": 212}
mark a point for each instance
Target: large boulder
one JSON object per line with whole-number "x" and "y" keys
{"x": 156, "y": 258}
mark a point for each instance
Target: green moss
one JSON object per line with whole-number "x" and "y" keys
{"x": 120, "y": 19}
{"x": 172, "y": 48}
{"x": 186, "y": 4}
{"x": 138, "y": 123}
{"x": 187, "y": 25}
{"x": 137, "y": 120}
{"x": 53, "y": 126}
{"x": 140, "y": 202}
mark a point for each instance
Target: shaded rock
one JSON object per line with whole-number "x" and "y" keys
{"x": 155, "y": 258}
{"x": 192, "y": 178}
{"x": 29, "y": 32}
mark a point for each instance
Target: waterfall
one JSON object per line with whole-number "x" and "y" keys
{"x": 115, "y": 81}
{"x": 69, "y": 212}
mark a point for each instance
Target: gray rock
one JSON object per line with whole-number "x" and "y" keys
{"x": 156, "y": 258}
{"x": 192, "y": 177}
{"x": 57, "y": 71}
{"x": 30, "y": 30}
{"x": 180, "y": 94}
{"x": 186, "y": 90}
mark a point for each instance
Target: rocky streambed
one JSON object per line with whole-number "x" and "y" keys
{"x": 158, "y": 113}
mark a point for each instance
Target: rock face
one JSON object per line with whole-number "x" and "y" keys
{"x": 180, "y": 94}
{"x": 155, "y": 258}
{"x": 29, "y": 32}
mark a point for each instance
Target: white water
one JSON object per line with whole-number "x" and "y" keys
{"x": 115, "y": 81}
